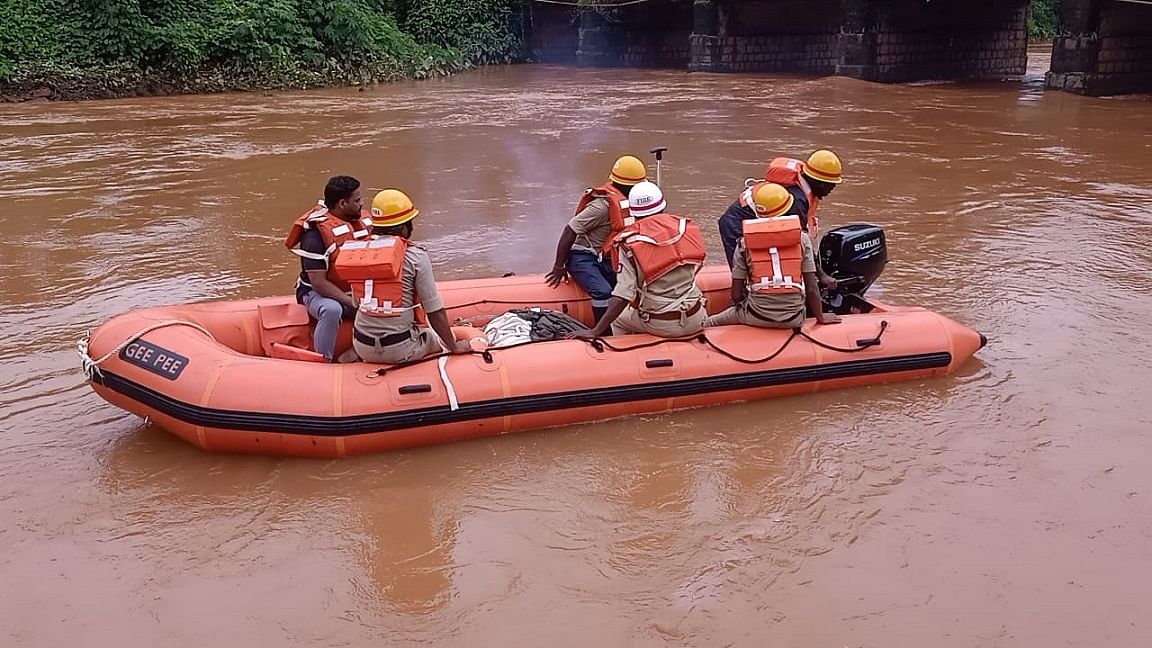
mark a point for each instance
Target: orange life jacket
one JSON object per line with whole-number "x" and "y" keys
{"x": 617, "y": 210}
{"x": 661, "y": 243}
{"x": 777, "y": 255}
{"x": 745, "y": 199}
{"x": 786, "y": 172}
{"x": 335, "y": 232}
{"x": 374, "y": 269}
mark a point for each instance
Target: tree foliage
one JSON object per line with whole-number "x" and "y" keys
{"x": 483, "y": 32}
{"x": 1043, "y": 19}
{"x": 253, "y": 40}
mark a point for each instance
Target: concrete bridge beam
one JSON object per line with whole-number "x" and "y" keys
{"x": 876, "y": 40}
{"x": 1104, "y": 47}
{"x": 856, "y": 43}
{"x": 601, "y": 41}
{"x": 704, "y": 41}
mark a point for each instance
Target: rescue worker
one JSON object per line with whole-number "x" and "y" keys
{"x": 769, "y": 261}
{"x": 807, "y": 182}
{"x": 387, "y": 328}
{"x": 586, "y": 241}
{"x": 659, "y": 257}
{"x": 315, "y": 237}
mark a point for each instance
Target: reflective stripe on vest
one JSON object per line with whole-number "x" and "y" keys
{"x": 662, "y": 243}
{"x": 372, "y": 305}
{"x": 746, "y": 197}
{"x": 775, "y": 249}
{"x": 787, "y": 172}
{"x": 779, "y": 279}
{"x": 332, "y": 231}
{"x": 374, "y": 270}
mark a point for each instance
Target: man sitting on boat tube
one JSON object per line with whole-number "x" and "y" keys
{"x": 586, "y": 242}
{"x": 392, "y": 282}
{"x": 807, "y": 182}
{"x": 315, "y": 237}
{"x": 773, "y": 268}
{"x": 656, "y": 260}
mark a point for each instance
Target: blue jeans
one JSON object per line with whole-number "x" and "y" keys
{"x": 595, "y": 276}
{"x": 328, "y": 313}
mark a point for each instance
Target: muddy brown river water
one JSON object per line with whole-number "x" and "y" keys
{"x": 1008, "y": 505}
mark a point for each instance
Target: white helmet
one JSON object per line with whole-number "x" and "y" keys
{"x": 645, "y": 199}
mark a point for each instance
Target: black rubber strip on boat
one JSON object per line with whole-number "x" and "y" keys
{"x": 440, "y": 414}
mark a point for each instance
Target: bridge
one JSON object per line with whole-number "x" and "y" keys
{"x": 1104, "y": 46}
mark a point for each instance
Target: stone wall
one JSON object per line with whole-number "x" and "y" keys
{"x": 815, "y": 54}
{"x": 1105, "y": 45}
{"x": 950, "y": 39}
{"x": 779, "y": 36}
{"x": 1105, "y": 48}
{"x": 657, "y": 35}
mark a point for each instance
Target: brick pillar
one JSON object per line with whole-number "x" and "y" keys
{"x": 1105, "y": 47}
{"x": 856, "y": 43}
{"x": 704, "y": 55}
{"x": 601, "y": 41}
{"x": 1076, "y": 51}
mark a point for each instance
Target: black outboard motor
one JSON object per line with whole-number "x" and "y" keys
{"x": 854, "y": 255}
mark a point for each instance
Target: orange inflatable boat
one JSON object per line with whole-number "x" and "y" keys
{"x": 207, "y": 372}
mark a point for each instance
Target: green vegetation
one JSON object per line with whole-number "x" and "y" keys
{"x": 76, "y": 49}
{"x": 72, "y": 49}
{"x": 1043, "y": 19}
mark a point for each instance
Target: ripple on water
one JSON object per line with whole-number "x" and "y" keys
{"x": 724, "y": 525}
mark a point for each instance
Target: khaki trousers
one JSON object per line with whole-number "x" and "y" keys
{"x": 423, "y": 343}
{"x": 741, "y": 315}
{"x": 631, "y": 321}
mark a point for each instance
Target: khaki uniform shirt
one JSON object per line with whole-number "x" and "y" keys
{"x": 418, "y": 286}
{"x": 785, "y": 308}
{"x": 675, "y": 291}
{"x": 593, "y": 226}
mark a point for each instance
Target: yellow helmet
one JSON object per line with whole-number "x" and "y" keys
{"x": 392, "y": 207}
{"x": 823, "y": 165}
{"x": 628, "y": 171}
{"x": 770, "y": 199}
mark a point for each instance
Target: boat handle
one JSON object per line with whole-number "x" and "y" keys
{"x": 415, "y": 389}
{"x": 864, "y": 343}
{"x": 662, "y": 362}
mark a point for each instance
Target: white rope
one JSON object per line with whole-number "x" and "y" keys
{"x": 92, "y": 367}
{"x": 452, "y": 402}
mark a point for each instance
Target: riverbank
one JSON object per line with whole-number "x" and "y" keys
{"x": 74, "y": 50}
{"x": 66, "y": 83}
